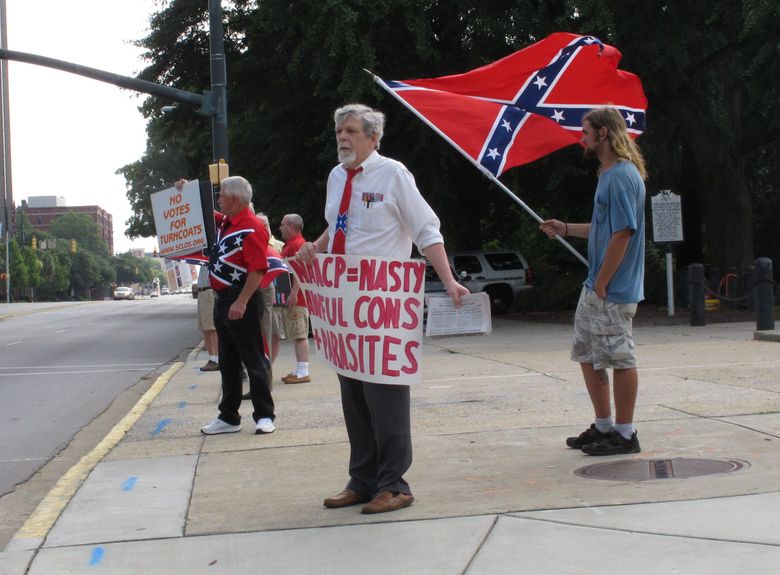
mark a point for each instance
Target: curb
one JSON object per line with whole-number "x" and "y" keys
{"x": 33, "y": 532}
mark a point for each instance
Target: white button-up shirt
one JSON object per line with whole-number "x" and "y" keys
{"x": 386, "y": 212}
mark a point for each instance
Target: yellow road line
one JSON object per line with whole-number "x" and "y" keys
{"x": 40, "y": 522}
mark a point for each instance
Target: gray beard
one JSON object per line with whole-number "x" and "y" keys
{"x": 346, "y": 158}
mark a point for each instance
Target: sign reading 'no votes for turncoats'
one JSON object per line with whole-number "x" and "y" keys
{"x": 178, "y": 217}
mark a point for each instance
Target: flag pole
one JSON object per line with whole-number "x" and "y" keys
{"x": 476, "y": 164}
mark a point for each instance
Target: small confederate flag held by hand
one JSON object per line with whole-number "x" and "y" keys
{"x": 276, "y": 267}
{"x": 529, "y": 103}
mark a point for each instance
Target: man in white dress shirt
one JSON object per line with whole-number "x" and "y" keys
{"x": 374, "y": 208}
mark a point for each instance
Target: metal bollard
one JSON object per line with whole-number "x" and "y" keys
{"x": 696, "y": 294}
{"x": 748, "y": 281}
{"x": 764, "y": 295}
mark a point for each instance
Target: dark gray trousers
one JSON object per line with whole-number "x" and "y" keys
{"x": 380, "y": 437}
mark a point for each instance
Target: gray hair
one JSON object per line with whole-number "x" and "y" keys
{"x": 373, "y": 120}
{"x": 295, "y": 220}
{"x": 237, "y": 187}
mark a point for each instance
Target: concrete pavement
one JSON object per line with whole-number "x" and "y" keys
{"x": 496, "y": 489}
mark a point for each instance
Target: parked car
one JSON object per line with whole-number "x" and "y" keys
{"x": 433, "y": 283}
{"x": 124, "y": 293}
{"x": 165, "y": 291}
{"x": 433, "y": 286}
{"x": 503, "y": 274}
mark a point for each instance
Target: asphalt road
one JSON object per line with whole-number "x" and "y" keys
{"x": 62, "y": 367}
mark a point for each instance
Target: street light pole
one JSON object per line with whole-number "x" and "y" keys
{"x": 5, "y": 150}
{"x": 219, "y": 135}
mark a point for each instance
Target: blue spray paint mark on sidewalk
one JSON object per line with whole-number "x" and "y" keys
{"x": 129, "y": 484}
{"x": 182, "y": 404}
{"x": 97, "y": 556}
{"x": 193, "y": 386}
{"x": 163, "y": 423}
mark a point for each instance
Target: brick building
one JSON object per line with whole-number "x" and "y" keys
{"x": 43, "y": 210}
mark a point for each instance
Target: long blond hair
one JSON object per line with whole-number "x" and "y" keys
{"x": 622, "y": 144}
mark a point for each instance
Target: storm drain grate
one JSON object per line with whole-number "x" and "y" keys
{"x": 649, "y": 469}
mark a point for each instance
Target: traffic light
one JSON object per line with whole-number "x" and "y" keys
{"x": 3, "y": 276}
{"x": 34, "y": 243}
{"x": 74, "y": 246}
{"x": 154, "y": 253}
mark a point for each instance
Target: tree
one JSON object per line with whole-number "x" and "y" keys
{"x": 709, "y": 70}
{"x": 130, "y": 269}
{"x": 79, "y": 227}
{"x": 289, "y": 67}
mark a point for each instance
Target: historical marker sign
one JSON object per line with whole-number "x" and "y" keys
{"x": 667, "y": 217}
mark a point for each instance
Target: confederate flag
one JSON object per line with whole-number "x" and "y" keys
{"x": 276, "y": 265}
{"x": 527, "y": 104}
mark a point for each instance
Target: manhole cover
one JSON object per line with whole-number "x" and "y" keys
{"x": 647, "y": 469}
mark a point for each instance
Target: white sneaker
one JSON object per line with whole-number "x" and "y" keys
{"x": 264, "y": 425}
{"x": 218, "y": 426}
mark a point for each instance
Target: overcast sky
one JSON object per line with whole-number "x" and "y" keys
{"x": 69, "y": 134}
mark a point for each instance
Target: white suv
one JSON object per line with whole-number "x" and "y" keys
{"x": 502, "y": 274}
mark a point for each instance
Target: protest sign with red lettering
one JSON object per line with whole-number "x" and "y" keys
{"x": 178, "y": 218}
{"x": 366, "y": 314}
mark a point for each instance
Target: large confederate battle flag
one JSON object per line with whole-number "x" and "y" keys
{"x": 527, "y": 104}
{"x": 276, "y": 265}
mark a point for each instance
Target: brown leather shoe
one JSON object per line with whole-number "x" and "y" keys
{"x": 388, "y": 501}
{"x": 345, "y": 499}
{"x": 292, "y": 378}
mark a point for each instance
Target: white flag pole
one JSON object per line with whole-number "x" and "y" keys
{"x": 476, "y": 164}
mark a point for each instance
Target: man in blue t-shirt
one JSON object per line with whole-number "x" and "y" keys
{"x": 616, "y": 257}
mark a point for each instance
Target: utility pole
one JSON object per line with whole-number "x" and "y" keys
{"x": 219, "y": 136}
{"x": 5, "y": 151}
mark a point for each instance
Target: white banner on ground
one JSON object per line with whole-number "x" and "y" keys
{"x": 178, "y": 218}
{"x": 366, "y": 315}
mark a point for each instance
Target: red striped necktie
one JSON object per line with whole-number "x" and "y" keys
{"x": 340, "y": 237}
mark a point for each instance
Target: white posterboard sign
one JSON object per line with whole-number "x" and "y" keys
{"x": 366, "y": 315}
{"x": 472, "y": 317}
{"x": 178, "y": 217}
{"x": 667, "y": 217}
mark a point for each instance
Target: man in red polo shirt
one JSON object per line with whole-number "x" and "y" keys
{"x": 236, "y": 266}
{"x": 296, "y": 314}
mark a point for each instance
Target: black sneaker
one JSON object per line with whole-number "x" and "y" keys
{"x": 613, "y": 444}
{"x": 590, "y": 435}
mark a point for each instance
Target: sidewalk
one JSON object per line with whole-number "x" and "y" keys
{"x": 495, "y": 487}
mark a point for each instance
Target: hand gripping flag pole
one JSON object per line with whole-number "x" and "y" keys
{"x": 476, "y": 164}
{"x": 525, "y": 105}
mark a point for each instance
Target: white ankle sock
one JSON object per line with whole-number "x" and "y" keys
{"x": 604, "y": 424}
{"x": 214, "y": 358}
{"x": 625, "y": 429}
{"x": 302, "y": 370}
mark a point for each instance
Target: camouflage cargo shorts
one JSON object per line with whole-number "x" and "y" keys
{"x": 602, "y": 333}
